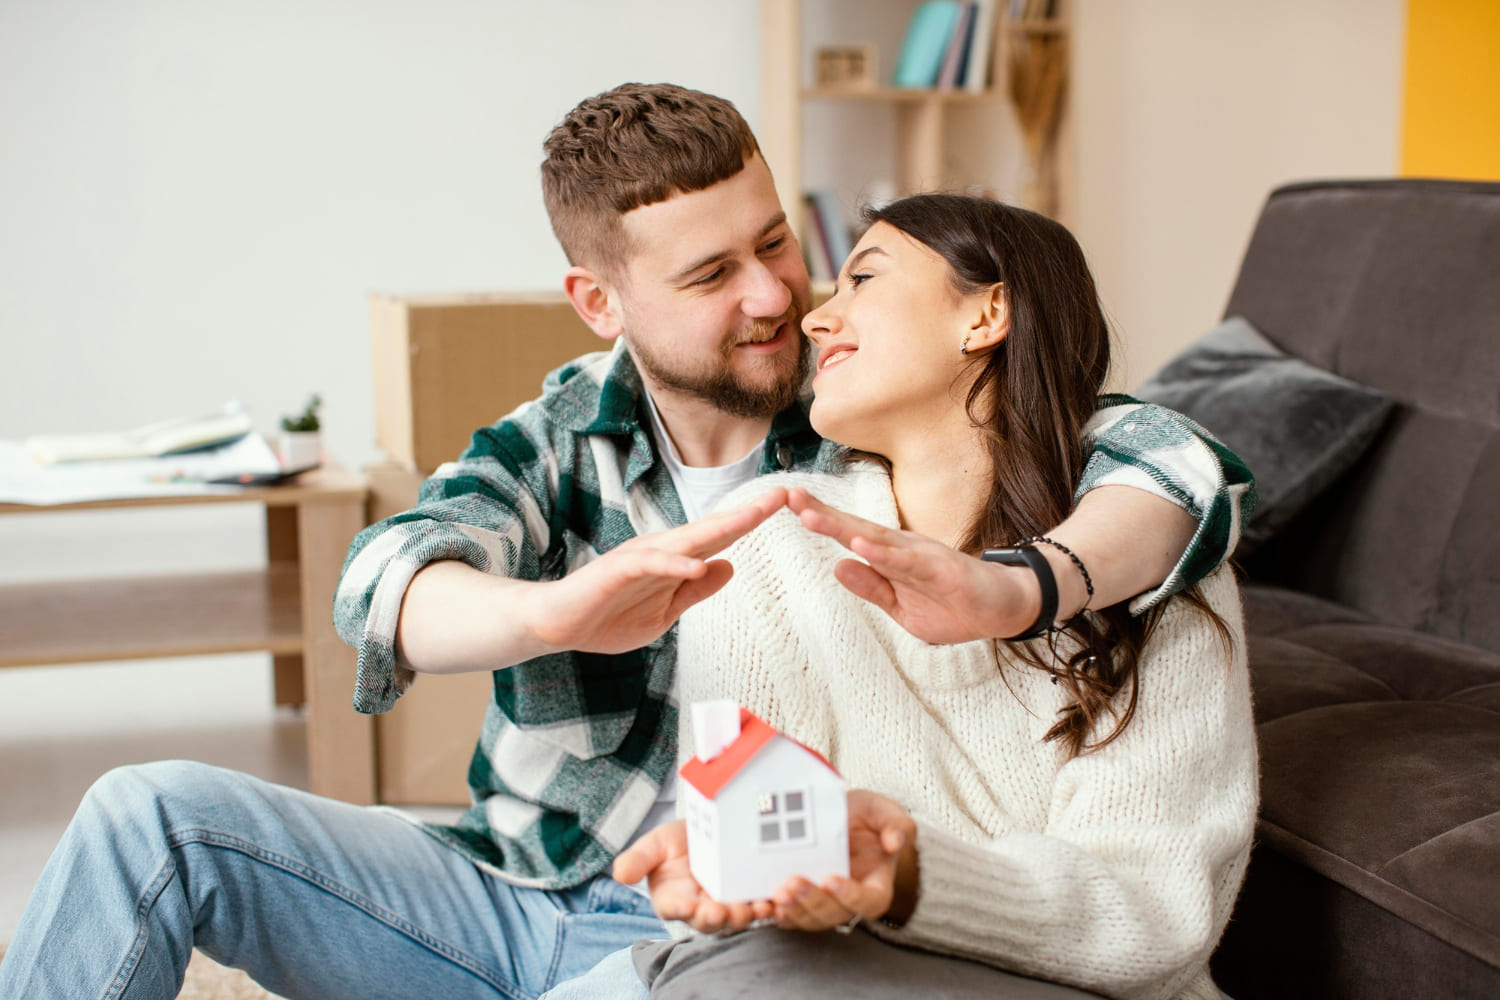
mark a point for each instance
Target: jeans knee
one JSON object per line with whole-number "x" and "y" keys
{"x": 141, "y": 796}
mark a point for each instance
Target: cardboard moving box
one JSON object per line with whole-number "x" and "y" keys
{"x": 424, "y": 744}
{"x": 445, "y": 366}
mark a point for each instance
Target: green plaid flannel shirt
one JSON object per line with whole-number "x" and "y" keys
{"x": 575, "y": 747}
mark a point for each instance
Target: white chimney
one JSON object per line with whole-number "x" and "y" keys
{"x": 716, "y": 724}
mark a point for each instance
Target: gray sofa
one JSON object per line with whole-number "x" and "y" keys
{"x": 1374, "y": 610}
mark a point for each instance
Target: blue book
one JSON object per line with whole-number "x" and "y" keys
{"x": 926, "y": 43}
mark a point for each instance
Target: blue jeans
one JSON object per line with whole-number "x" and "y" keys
{"x": 312, "y": 897}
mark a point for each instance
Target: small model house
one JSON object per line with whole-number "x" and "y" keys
{"x": 760, "y": 807}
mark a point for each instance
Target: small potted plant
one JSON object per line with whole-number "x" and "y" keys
{"x": 301, "y": 445}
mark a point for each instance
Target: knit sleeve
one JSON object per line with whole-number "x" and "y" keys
{"x": 1127, "y": 888}
{"x": 490, "y": 510}
{"x": 1161, "y": 451}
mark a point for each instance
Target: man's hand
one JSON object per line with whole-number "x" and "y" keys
{"x": 933, "y": 591}
{"x": 634, "y": 593}
{"x": 882, "y": 849}
{"x": 456, "y": 618}
{"x": 661, "y": 857}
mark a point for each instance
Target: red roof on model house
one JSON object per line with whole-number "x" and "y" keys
{"x": 710, "y": 776}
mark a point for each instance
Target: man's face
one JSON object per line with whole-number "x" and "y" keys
{"x": 713, "y": 294}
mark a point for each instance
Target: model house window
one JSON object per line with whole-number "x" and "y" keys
{"x": 701, "y": 819}
{"x": 784, "y": 817}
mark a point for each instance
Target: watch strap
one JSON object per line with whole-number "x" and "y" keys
{"x": 1046, "y": 582}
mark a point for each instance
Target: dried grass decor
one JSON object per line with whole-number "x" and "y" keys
{"x": 1036, "y": 81}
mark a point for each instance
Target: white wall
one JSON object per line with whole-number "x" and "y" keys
{"x": 1189, "y": 113}
{"x": 195, "y": 199}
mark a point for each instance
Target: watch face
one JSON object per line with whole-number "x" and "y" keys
{"x": 1011, "y": 557}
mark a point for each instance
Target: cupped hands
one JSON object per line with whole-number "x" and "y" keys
{"x": 882, "y": 847}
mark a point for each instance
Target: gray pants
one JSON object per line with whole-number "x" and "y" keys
{"x": 786, "y": 964}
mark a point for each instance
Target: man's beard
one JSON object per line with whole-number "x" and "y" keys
{"x": 728, "y": 391}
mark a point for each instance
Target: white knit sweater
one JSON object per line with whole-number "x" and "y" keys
{"x": 1115, "y": 871}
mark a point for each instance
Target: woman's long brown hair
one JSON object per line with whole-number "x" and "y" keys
{"x": 1031, "y": 397}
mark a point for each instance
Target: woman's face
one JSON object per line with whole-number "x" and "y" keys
{"x": 888, "y": 345}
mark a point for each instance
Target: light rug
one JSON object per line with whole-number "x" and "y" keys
{"x": 208, "y": 980}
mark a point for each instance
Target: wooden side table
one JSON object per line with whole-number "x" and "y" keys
{"x": 285, "y": 609}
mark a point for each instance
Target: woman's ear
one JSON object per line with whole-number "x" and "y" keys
{"x": 990, "y": 322}
{"x": 595, "y": 302}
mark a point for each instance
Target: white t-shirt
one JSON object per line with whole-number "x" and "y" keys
{"x": 700, "y": 489}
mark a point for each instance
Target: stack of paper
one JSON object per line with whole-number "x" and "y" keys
{"x": 25, "y": 480}
{"x": 167, "y": 438}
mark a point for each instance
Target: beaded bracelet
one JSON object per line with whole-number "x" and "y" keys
{"x": 1088, "y": 581}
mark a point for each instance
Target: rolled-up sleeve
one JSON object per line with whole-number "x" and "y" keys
{"x": 489, "y": 510}
{"x": 1163, "y": 452}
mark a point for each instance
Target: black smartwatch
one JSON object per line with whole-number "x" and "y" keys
{"x": 1028, "y": 556}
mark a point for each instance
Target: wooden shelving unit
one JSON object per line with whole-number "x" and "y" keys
{"x": 151, "y": 617}
{"x": 924, "y": 130}
{"x": 284, "y": 609}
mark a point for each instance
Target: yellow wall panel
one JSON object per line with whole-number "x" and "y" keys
{"x": 1451, "y": 125}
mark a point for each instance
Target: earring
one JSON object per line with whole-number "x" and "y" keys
{"x": 964, "y": 347}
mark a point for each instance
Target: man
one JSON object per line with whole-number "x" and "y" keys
{"x": 557, "y": 553}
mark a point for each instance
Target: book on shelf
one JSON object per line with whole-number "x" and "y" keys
{"x": 928, "y": 38}
{"x": 814, "y": 243}
{"x": 981, "y": 48}
{"x": 151, "y": 441}
{"x": 832, "y": 227}
{"x": 955, "y": 59}
{"x": 949, "y": 45}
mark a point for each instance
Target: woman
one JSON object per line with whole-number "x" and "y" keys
{"x": 1078, "y": 807}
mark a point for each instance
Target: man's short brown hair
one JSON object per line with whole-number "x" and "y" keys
{"x": 635, "y": 145}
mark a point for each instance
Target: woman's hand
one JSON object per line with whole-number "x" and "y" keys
{"x": 882, "y": 871}
{"x": 935, "y": 592}
{"x": 661, "y": 857}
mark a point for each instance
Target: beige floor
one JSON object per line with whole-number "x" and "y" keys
{"x": 62, "y": 727}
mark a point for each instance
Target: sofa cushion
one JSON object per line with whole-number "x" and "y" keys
{"x": 1380, "y": 762}
{"x": 1390, "y": 283}
{"x": 1408, "y": 536}
{"x": 1297, "y": 427}
{"x": 1393, "y": 284}
{"x": 1297, "y": 934}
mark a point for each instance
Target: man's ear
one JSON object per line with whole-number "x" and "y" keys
{"x": 991, "y": 321}
{"x": 595, "y": 301}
